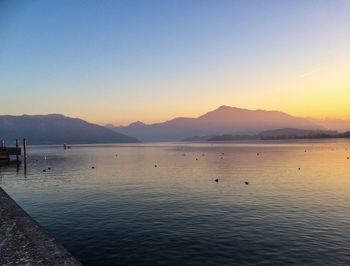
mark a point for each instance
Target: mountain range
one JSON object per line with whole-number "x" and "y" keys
{"x": 57, "y": 129}
{"x": 277, "y": 134}
{"x": 223, "y": 120}
{"x": 341, "y": 125}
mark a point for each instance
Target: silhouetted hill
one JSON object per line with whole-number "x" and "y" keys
{"x": 223, "y": 120}
{"x": 295, "y": 133}
{"x": 57, "y": 129}
{"x": 341, "y": 125}
{"x": 283, "y": 133}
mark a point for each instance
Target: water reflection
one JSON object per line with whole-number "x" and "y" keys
{"x": 126, "y": 211}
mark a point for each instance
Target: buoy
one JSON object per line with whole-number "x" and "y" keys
{"x": 246, "y": 182}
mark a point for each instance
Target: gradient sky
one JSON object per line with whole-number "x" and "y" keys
{"x": 121, "y": 61}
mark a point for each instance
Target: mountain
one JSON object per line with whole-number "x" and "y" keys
{"x": 57, "y": 129}
{"x": 282, "y": 133}
{"x": 331, "y": 123}
{"x": 224, "y": 120}
{"x": 295, "y": 133}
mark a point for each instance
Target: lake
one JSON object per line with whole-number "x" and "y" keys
{"x": 159, "y": 203}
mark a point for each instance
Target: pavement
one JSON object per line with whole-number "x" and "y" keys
{"x": 24, "y": 242}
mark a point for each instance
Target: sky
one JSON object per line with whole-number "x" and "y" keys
{"x": 122, "y": 61}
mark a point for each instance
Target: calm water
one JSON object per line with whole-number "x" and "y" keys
{"x": 126, "y": 211}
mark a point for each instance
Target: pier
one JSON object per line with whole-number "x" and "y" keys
{"x": 7, "y": 152}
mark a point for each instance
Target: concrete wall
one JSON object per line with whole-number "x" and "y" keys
{"x": 24, "y": 242}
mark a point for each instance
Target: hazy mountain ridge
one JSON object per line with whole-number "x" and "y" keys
{"x": 341, "y": 125}
{"x": 223, "y": 120}
{"x": 295, "y": 133}
{"x": 279, "y": 134}
{"x": 57, "y": 129}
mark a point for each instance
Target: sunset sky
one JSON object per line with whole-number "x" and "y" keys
{"x": 122, "y": 61}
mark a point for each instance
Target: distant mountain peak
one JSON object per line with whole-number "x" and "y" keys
{"x": 137, "y": 124}
{"x": 57, "y": 129}
{"x": 48, "y": 115}
{"x": 227, "y": 108}
{"x": 223, "y": 107}
{"x": 224, "y": 112}
{"x": 223, "y": 120}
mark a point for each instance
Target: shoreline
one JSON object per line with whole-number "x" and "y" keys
{"x": 23, "y": 241}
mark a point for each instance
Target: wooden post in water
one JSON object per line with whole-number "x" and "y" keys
{"x": 17, "y": 158}
{"x": 25, "y": 157}
{"x": 24, "y": 149}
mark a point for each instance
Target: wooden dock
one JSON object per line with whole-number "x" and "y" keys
{"x": 7, "y": 152}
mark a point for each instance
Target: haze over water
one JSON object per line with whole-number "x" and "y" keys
{"x": 126, "y": 211}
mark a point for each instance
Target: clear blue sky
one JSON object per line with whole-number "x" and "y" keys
{"x": 120, "y": 61}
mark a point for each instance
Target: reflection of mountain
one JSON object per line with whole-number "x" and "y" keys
{"x": 223, "y": 120}
{"x": 57, "y": 129}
